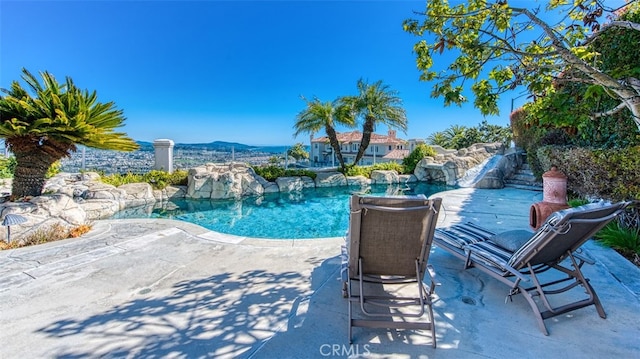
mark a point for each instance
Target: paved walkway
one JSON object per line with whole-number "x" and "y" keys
{"x": 162, "y": 288}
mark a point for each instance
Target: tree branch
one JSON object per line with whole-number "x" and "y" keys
{"x": 588, "y": 70}
{"x": 613, "y": 111}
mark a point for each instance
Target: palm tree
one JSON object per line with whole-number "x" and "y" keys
{"x": 42, "y": 128}
{"x": 327, "y": 115}
{"x": 377, "y": 103}
{"x": 439, "y": 139}
{"x": 455, "y": 135}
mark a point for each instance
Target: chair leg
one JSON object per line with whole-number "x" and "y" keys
{"x": 423, "y": 300}
{"x": 538, "y": 289}
{"x": 347, "y": 287}
{"x": 587, "y": 286}
{"x": 429, "y": 304}
{"x": 534, "y": 306}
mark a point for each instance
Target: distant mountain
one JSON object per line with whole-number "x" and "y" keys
{"x": 218, "y": 146}
{"x": 145, "y": 146}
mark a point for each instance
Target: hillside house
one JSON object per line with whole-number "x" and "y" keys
{"x": 382, "y": 148}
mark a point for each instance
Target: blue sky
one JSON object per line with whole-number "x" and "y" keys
{"x": 202, "y": 71}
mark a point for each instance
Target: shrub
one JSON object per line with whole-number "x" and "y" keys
{"x": 358, "y": 171}
{"x": 366, "y": 170}
{"x": 162, "y": 179}
{"x": 421, "y": 151}
{"x": 603, "y": 173}
{"x": 300, "y": 173}
{"x": 157, "y": 179}
{"x": 577, "y": 202}
{"x": 118, "y": 179}
{"x": 271, "y": 172}
{"x": 389, "y": 166}
{"x": 55, "y": 168}
{"x": 518, "y": 127}
{"x": 623, "y": 239}
{"x": 7, "y": 166}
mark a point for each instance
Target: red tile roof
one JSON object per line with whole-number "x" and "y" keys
{"x": 397, "y": 155}
{"x": 356, "y": 137}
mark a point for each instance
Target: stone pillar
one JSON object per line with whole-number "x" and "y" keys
{"x": 163, "y": 155}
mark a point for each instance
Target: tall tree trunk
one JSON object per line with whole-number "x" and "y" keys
{"x": 367, "y": 130}
{"x": 34, "y": 157}
{"x": 333, "y": 141}
{"x": 29, "y": 176}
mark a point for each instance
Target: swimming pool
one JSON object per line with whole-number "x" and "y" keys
{"x": 312, "y": 213}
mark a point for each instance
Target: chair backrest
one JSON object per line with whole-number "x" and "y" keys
{"x": 564, "y": 232}
{"x": 390, "y": 233}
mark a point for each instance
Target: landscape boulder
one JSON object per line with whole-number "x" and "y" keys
{"x": 384, "y": 177}
{"x": 137, "y": 194}
{"x": 358, "y": 181}
{"x": 294, "y": 183}
{"x": 170, "y": 192}
{"x": 330, "y": 179}
{"x": 100, "y": 208}
{"x": 223, "y": 181}
{"x": 43, "y": 211}
{"x": 99, "y": 190}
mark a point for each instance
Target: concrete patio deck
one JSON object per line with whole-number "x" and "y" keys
{"x": 169, "y": 289}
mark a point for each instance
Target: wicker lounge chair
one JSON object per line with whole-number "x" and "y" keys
{"x": 387, "y": 247}
{"x": 519, "y": 257}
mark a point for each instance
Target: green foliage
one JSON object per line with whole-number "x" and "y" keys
{"x": 596, "y": 173}
{"x": 46, "y": 121}
{"x": 157, "y": 179}
{"x": 498, "y": 48}
{"x": 118, "y": 179}
{"x": 571, "y": 110}
{"x": 457, "y": 136}
{"x": 375, "y": 104}
{"x": 623, "y": 239}
{"x": 298, "y": 152}
{"x": 7, "y": 166}
{"x": 571, "y": 105}
{"x": 577, "y": 202}
{"x": 320, "y": 115}
{"x": 421, "y": 151}
{"x": 517, "y": 119}
{"x": 366, "y": 170}
{"x": 270, "y": 173}
{"x": 274, "y": 160}
{"x": 55, "y": 168}
{"x": 162, "y": 179}
{"x": 61, "y": 113}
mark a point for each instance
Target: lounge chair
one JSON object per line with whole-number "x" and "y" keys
{"x": 519, "y": 256}
{"x": 388, "y": 246}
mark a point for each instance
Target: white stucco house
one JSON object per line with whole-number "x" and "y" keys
{"x": 382, "y": 148}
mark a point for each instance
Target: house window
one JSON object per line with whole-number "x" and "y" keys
{"x": 390, "y": 148}
{"x": 316, "y": 146}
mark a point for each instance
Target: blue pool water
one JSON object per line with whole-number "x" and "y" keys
{"x": 312, "y": 213}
